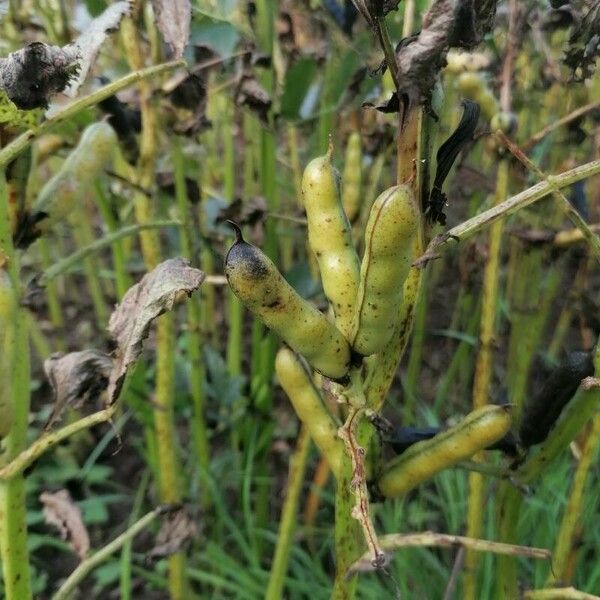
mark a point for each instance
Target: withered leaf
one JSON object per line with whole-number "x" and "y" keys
{"x": 448, "y": 23}
{"x": 584, "y": 42}
{"x": 32, "y": 75}
{"x": 173, "y": 20}
{"x": 90, "y": 41}
{"x": 155, "y": 294}
{"x": 177, "y": 529}
{"x": 392, "y": 105}
{"x": 75, "y": 378}
{"x": 64, "y": 514}
{"x": 251, "y": 94}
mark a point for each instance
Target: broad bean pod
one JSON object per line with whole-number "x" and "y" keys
{"x": 330, "y": 238}
{"x": 257, "y": 282}
{"x": 308, "y": 405}
{"x": 478, "y": 430}
{"x": 59, "y": 195}
{"x": 389, "y": 237}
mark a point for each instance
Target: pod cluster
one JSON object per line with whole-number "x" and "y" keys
{"x": 365, "y": 296}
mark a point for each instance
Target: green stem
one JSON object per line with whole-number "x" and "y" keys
{"x": 21, "y": 142}
{"x": 66, "y": 263}
{"x": 289, "y": 512}
{"x": 513, "y": 204}
{"x": 13, "y": 510}
{"x": 574, "y": 509}
{"x": 125, "y": 579}
{"x": 89, "y": 564}
{"x": 123, "y": 281}
{"x": 194, "y": 339}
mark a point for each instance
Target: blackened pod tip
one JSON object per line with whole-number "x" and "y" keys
{"x": 237, "y": 230}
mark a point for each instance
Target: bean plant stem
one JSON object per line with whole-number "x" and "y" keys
{"x": 89, "y": 564}
{"x": 511, "y": 205}
{"x": 483, "y": 377}
{"x": 289, "y": 513}
{"x": 194, "y": 340}
{"x": 13, "y": 511}
{"x": 169, "y": 467}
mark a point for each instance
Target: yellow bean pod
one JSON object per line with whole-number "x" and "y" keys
{"x": 309, "y": 406}
{"x": 7, "y": 316}
{"x": 478, "y": 430}
{"x": 57, "y": 198}
{"x": 389, "y": 239}
{"x": 352, "y": 177}
{"x": 257, "y": 282}
{"x": 330, "y": 238}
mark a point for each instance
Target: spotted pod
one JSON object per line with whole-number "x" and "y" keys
{"x": 7, "y": 317}
{"x": 352, "y": 177}
{"x": 402, "y": 438}
{"x": 59, "y": 195}
{"x": 389, "y": 237}
{"x": 257, "y": 282}
{"x": 477, "y": 431}
{"x": 330, "y": 238}
{"x": 542, "y": 410}
{"x": 309, "y": 406}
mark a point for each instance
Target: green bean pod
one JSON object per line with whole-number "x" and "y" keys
{"x": 309, "y": 406}
{"x": 478, "y": 430}
{"x": 59, "y": 195}
{"x": 330, "y": 238}
{"x": 389, "y": 237}
{"x": 352, "y": 177}
{"x": 257, "y": 282}
{"x": 7, "y": 316}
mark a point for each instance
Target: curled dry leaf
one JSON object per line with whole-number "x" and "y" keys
{"x": 177, "y": 529}
{"x": 75, "y": 378}
{"x": 251, "y": 94}
{"x": 32, "y": 75}
{"x": 64, "y": 514}
{"x": 448, "y": 23}
{"x": 584, "y": 42}
{"x": 155, "y": 294}
{"x": 173, "y": 21}
{"x": 90, "y": 41}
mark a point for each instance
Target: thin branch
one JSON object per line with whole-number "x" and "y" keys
{"x": 572, "y": 116}
{"x": 62, "y": 265}
{"x": 508, "y": 207}
{"x": 575, "y": 218}
{"x": 20, "y": 143}
{"x": 48, "y": 440}
{"x": 430, "y": 538}
{"x": 89, "y": 564}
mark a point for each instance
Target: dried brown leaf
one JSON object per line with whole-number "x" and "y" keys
{"x": 177, "y": 529}
{"x": 173, "y": 20}
{"x": 64, "y": 514}
{"x": 251, "y": 94}
{"x": 75, "y": 378}
{"x": 32, "y": 75}
{"x": 155, "y": 294}
{"x": 90, "y": 41}
{"x": 448, "y": 23}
